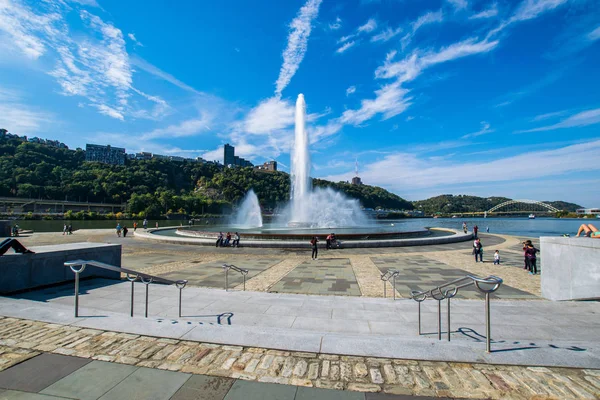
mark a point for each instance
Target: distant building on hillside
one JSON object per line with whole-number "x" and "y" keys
{"x": 231, "y": 160}
{"x": 269, "y": 166}
{"x": 3, "y": 132}
{"x": 356, "y": 180}
{"x": 105, "y": 154}
{"x": 588, "y": 211}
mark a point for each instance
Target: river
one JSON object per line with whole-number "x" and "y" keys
{"x": 509, "y": 226}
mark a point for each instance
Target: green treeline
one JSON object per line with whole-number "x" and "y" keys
{"x": 152, "y": 187}
{"x": 448, "y": 204}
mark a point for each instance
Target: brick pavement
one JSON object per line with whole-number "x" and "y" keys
{"x": 23, "y": 339}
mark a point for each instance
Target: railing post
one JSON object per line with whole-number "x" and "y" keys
{"x": 488, "y": 330}
{"x": 226, "y": 279}
{"x": 419, "y": 303}
{"x": 132, "y": 280}
{"x": 244, "y": 281}
{"x": 76, "y": 294}
{"x": 439, "y": 319}
{"x": 394, "y": 287}
{"x": 384, "y": 292}
{"x": 448, "y": 318}
{"x": 180, "y": 285}
{"x": 180, "y": 290}
{"x": 147, "y": 283}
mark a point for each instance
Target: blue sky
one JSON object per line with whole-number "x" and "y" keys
{"x": 476, "y": 97}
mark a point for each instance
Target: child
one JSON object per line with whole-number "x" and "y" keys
{"x": 497, "y": 257}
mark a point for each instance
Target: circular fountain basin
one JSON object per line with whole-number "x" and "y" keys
{"x": 378, "y": 235}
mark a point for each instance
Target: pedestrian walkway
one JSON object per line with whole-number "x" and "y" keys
{"x": 538, "y": 333}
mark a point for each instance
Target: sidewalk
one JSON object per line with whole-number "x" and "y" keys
{"x": 537, "y": 333}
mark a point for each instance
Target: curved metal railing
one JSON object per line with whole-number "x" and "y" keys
{"x": 390, "y": 274}
{"x": 227, "y": 267}
{"x": 450, "y": 289}
{"x": 131, "y": 276}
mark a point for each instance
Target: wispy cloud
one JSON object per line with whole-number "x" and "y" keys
{"x": 334, "y": 26}
{"x": 345, "y": 46}
{"x": 93, "y": 64}
{"x": 527, "y": 10}
{"x": 389, "y": 101}
{"x": 369, "y": 26}
{"x": 528, "y": 90}
{"x": 543, "y": 117}
{"x": 297, "y": 43}
{"x": 189, "y": 127}
{"x": 400, "y": 170}
{"x": 386, "y": 35}
{"x": 485, "y": 129}
{"x": 350, "y": 90}
{"x": 151, "y": 69}
{"x": 584, "y": 118}
{"x": 24, "y": 120}
{"x": 594, "y": 35}
{"x": 132, "y": 37}
{"x": 488, "y": 13}
{"x": 429, "y": 17}
{"x": 459, "y": 4}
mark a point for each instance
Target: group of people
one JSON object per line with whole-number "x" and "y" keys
{"x": 67, "y": 229}
{"x": 478, "y": 252}
{"x": 475, "y": 229}
{"x": 330, "y": 242}
{"x": 122, "y": 230}
{"x": 225, "y": 240}
{"x": 529, "y": 253}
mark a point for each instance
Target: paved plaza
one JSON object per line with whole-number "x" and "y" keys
{"x": 317, "y": 329}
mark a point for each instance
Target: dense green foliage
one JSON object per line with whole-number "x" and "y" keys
{"x": 152, "y": 187}
{"x": 448, "y": 204}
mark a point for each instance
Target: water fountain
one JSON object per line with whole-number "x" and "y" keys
{"x": 319, "y": 208}
{"x": 249, "y": 213}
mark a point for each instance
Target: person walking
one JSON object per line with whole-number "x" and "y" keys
{"x": 70, "y": 229}
{"x": 497, "y": 258}
{"x": 475, "y": 230}
{"x": 156, "y": 224}
{"x": 145, "y": 224}
{"x": 134, "y": 226}
{"x": 118, "y": 229}
{"x": 315, "y": 250}
{"x": 328, "y": 242}
{"x": 480, "y": 252}
{"x": 526, "y": 259}
{"x": 464, "y": 227}
{"x": 476, "y": 248}
{"x": 530, "y": 253}
{"x": 65, "y": 229}
{"x": 125, "y": 230}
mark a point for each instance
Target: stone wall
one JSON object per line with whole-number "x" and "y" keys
{"x": 46, "y": 265}
{"x": 570, "y": 268}
{"x": 5, "y": 228}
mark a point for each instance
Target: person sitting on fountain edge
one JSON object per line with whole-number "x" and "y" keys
{"x": 328, "y": 241}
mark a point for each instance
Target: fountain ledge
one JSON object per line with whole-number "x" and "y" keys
{"x": 456, "y": 236}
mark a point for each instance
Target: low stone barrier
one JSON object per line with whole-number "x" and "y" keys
{"x": 570, "y": 268}
{"x": 46, "y": 266}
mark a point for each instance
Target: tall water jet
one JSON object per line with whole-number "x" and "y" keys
{"x": 321, "y": 208}
{"x": 249, "y": 214}
{"x": 301, "y": 184}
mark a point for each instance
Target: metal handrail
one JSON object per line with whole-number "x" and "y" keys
{"x": 131, "y": 276}
{"x": 385, "y": 277}
{"x": 227, "y": 267}
{"x": 450, "y": 289}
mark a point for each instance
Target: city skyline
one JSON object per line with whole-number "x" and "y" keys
{"x": 460, "y": 96}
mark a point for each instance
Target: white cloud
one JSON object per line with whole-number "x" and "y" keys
{"x": 584, "y": 118}
{"x": 346, "y": 38}
{"x": 91, "y": 3}
{"x": 459, "y": 4}
{"x": 350, "y": 90}
{"x": 345, "y": 47}
{"x": 189, "y": 127}
{"x": 270, "y": 115}
{"x": 336, "y": 25}
{"x": 400, "y": 170}
{"x": 93, "y": 64}
{"x": 132, "y": 37}
{"x": 111, "y": 112}
{"x": 297, "y": 43}
{"x": 369, "y": 26}
{"x": 409, "y": 118}
{"x": 389, "y": 101}
{"x": 488, "y": 13}
{"x": 485, "y": 128}
{"x": 594, "y": 35}
{"x": 386, "y": 35}
{"x": 151, "y": 69}
{"x": 427, "y": 18}
{"x": 22, "y": 120}
{"x": 530, "y": 9}
{"x": 550, "y": 115}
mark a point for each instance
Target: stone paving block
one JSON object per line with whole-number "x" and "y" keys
{"x": 91, "y": 381}
{"x": 304, "y": 393}
{"x": 244, "y": 390}
{"x": 15, "y": 395}
{"x": 147, "y": 384}
{"x": 385, "y": 396}
{"x": 40, "y": 372}
{"x": 201, "y": 387}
